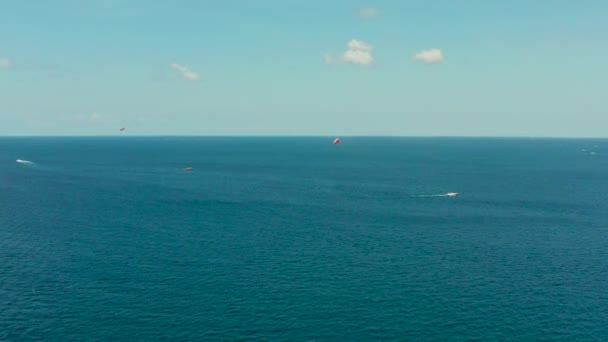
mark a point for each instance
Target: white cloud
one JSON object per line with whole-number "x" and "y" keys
{"x": 368, "y": 12}
{"x": 359, "y": 45}
{"x": 358, "y": 52}
{"x": 186, "y": 73}
{"x": 429, "y": 56}
{"x": 358, "y": 57}
{"x": 5, "y": 62}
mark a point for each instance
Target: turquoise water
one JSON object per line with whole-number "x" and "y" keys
{"x": 295, "y": 239}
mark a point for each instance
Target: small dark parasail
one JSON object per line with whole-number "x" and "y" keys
{"x": 122, "y": 129}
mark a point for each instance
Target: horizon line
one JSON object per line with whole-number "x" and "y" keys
{"x": 300, "y": 136}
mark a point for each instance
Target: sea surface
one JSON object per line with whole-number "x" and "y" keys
{"x": 296, "y": 239}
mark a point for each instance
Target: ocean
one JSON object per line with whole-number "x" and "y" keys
{"x": 296, "y": 239}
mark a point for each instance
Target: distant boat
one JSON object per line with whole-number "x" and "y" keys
{"x": 188, "y": 169}
{"x": 452, "y": 194}
{"x": 336, "y": 141}
{"x": 24, "y": 161}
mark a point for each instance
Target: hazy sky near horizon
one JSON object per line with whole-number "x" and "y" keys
{"x": 279, "y": 67}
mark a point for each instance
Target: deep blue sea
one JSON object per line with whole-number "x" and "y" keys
{"x": 296, "y": 239}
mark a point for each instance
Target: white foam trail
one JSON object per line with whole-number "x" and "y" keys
{"x": 24, "y": 161}
{"x": 449, "y": 194}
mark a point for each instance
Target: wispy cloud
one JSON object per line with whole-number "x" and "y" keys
{"x": 186, "y": 73}
{"x": 429, "y": 56}
{"x": 329, "y": 58}
{"x": 92, "y": 117}
{"x": 358, "y": 52}
{"x": 368, "y": 12}
{"x": 5, "y": 62}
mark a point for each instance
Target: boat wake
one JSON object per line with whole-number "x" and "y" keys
{"x": 21, "y": 161}
{"x": 449, "y": 194}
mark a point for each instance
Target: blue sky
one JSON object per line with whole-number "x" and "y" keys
{"x": 281, "y": 67}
